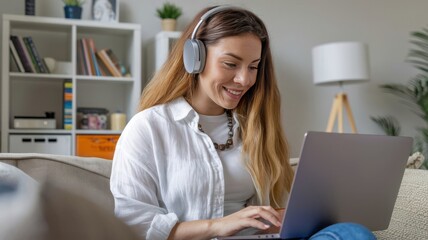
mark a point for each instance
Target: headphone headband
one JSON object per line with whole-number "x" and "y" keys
{"x": 207, "y": 15}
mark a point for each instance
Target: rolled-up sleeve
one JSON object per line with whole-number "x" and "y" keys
{"x": 134, "y": 183}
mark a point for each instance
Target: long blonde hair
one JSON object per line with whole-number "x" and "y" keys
{"x": 264, "y": 144}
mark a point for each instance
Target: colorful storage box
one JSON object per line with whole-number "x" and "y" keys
{"x": 101, "y": 146}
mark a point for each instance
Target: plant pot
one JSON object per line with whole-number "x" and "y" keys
{"x": 168, "y": 24}
{"x": 73, "y": 12}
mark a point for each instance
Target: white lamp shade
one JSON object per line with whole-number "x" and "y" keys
{"x": 340, "y": 61}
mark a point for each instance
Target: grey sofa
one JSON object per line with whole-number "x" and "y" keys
{"x": 89, "y": 177}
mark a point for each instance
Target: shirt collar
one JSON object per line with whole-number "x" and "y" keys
{"x": 181, "y": 109}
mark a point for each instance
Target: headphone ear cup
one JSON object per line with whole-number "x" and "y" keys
{"x": 194, "y": 56}
{"x": 202, "y": 55}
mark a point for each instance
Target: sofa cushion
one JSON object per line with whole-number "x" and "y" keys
{"x": 88, "y": 177}
{"x": 410, "y": 217}
{"x": 70, "y": 216}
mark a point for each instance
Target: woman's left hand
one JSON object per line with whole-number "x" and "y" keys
{"x": 274, "y": 229}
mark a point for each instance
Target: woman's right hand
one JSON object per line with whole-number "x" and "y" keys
{"x": 252, "y": 216}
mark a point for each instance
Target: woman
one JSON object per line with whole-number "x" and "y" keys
{"x": 206, "y": 156}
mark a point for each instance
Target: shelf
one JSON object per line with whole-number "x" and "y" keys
{"x": 39, "y": 131}
{"x": 39, "y": 75}
{"x": 56, "y": 24}
{"x": 95, "y": 132}
{"x": 109, "y": 79}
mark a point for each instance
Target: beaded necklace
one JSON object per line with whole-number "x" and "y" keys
{"x": 229, "y": 141}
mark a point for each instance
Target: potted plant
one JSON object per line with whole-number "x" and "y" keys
{"x": 73, "y": 8}
{"x": 414, "y": 92}
{"x": 169, "y": 13}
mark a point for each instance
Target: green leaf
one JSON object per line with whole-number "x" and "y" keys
{"x": 418, "y": 63}
{"x": 420, "y": 35}
{"x": 388, "y": 124}
{"x": 418, "y": 54}
{"x": 421, "y": 45}
{"x": 423, "y": 69}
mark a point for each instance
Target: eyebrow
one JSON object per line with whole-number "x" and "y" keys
{"x": 238, "y": 57}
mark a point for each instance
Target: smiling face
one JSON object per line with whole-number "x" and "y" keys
{"x": 230, "y": 70}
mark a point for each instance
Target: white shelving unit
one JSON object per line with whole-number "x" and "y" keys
{"x": 159, "y": 50}
{"x": 164, "y": 42}
{"x": 32, "y": 94}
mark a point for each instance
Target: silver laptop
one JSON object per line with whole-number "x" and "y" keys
{"x": 343, "y": 178}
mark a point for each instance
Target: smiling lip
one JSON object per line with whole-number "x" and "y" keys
{"x": 235, "y": 94}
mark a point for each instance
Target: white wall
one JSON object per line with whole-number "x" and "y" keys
{"x": 295, "y": 27}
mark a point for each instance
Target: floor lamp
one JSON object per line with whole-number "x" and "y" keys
{"x": 339, "y": 63}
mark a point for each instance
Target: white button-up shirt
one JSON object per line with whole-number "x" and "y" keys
{"x": 158, "y": 180}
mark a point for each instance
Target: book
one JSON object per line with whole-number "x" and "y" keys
{"x": 115, "y": 60}
{"x": 32, "y": 57}
{"x": 102, "y": 54}
{"x": 103, "y": 68}
{"x": 15, "y": 56}
{"x": 27, "y": 55}
{"x": 88, "y": 59}
{"x": 13, "y": 65}
{"x": 48, "y": 70}
{"x": 81, "y": 68}
{"x": 68, "y": 105}
{"x": 33, "y": 50}
{"x": 92, "y": 51}
{"x": 26, "y": 62}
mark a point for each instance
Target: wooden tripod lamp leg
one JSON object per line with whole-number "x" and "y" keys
{"x": 333, "y": 113}
{"x": 349, "y": 113}
{"x": 340, "y": 114}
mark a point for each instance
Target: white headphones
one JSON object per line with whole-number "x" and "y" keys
{"x": 194, "y": 53}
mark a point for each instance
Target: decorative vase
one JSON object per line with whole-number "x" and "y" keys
{"x": 73, "y": 12}
{"x": 168, "y": 24}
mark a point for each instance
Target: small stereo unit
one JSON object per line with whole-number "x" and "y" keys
{"x": 32, "y": 122}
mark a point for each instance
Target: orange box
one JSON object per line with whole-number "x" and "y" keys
{"x": 101, "y": 146}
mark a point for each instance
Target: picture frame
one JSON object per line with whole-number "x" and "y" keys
{"x": 105, "y": 10}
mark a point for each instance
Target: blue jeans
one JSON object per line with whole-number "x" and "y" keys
{"x": 344, "y": 231}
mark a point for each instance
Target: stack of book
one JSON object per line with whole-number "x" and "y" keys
{"x": 68, "y": 111}
{"x": 25, "y": 55}
{"x": 93, "y": 62}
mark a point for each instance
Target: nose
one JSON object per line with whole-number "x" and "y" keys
{"x": 243, "y": 77}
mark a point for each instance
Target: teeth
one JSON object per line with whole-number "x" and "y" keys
{"x": 234, "y": 92}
